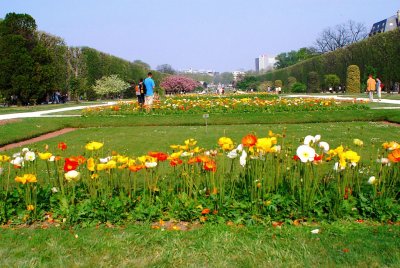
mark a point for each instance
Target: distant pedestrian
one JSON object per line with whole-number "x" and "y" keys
{"x": 141, "y": 90}
{"x": 150, "y": 85}
{"x": 371, "y": 84}
{"x": 378, "y": 88}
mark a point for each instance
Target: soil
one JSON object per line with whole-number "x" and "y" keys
{"x": 37, "y": 139}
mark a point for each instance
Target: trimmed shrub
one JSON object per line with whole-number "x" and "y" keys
{"x": 299, "y": 87}
{"x": 312, "y": 82}
{"x": 353, "y": 79}
{"x": 278, "y": 83}
{"x": 332, "y": 80}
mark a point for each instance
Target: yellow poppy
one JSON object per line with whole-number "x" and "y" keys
{"x": 91, "y": 146}
{"x": 45, "y": 156}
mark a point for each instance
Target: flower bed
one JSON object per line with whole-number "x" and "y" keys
{"x": 257, "y": 180}
{"x": 227, "y": 105}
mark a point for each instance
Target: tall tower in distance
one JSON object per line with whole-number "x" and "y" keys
{"x": 257, "y": 61}
{"x": 264, "y": 63}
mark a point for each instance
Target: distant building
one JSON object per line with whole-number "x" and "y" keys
{"x": 238, "y": 75}
{"x": 264, "y": 63}
{"x": 257, "y": 61}
{"x": 386, "y": 25}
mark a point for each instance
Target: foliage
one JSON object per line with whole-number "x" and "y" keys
{"x": 278, "y": 83}
{"x": 290, "y": 82}
{"x": 353, "y": 79}
{"x": 248, "y": 83}
{"x": 287, "y": 59}
{"x": 299, "y": 88}
{"x": 332, "y": 80}
{"x": 176, "y": 84}
{"x": 21, "y": 81}
{"x": 224, "y": 183}
{"x": 312, "y": 82}
{"x": 109, "y": 86}
{"x": 379, "y": 51}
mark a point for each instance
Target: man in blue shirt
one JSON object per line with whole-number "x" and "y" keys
{"x": 150, "y": 85}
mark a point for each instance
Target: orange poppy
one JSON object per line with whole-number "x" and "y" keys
{"x": 249, "y": 140}
{"x": 210, "y": 166}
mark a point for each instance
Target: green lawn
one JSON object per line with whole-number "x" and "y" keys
{"x": 32, "y": 127}
{"x": 337, "y": 245}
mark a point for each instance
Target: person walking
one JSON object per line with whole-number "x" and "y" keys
{"x": 150, "y": 85}
{"x": 142, "y": 92}
{"x": 378, "y": 88}
{"x": 371, "y": 84}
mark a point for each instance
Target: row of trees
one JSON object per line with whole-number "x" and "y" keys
{"x": 34, "y": 65}
{"x": 378, "y": 55}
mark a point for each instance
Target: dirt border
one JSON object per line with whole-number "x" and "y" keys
{"x": 37, "y": 139}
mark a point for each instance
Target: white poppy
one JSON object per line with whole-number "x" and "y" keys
{"x": 240, "y": 148}
{"x": 309, "y": 139}
{"x": 105, "y": 160}
{"x": 305, "y": 153}
{"x": 242, "y": 159}
{"x": 150, "y": 164}
{"x": 315, "y": 231}
{"x": 232, "y": 154}
{"x": 18, "y": 161}
{"x": 372, "y": 180}
{"x": 186, "y": 154}
{"x": 317, "y": 138}
{"x": 72, "y": 175}
{"x": 30, "y": 156}
{"x": 324, "y": 145}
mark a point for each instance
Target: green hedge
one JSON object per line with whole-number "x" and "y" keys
{"x": 381, "y": 51}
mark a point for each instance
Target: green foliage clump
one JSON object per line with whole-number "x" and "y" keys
{"x": 299, "y": 87}
{"x": 278, "y": 83}
{"x": 332, "y": 80}
{"x": 312, "y": 82}
{"x": 353, "y": 79}
{"x": 109, "y": 86}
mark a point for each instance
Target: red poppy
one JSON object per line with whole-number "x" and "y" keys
{"x": 210, "y": 166}
{"x": 159, "y": 155}
{"x": 249, "y": 140}
{"x": 62, "y": 146}
{"x": 296, "y": 158}
{"x": 70, "y": 164}
{"x": 175, "y": 162}
{"x": 80, "y": 159}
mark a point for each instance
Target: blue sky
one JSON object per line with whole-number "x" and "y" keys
{"x": 223, "y": 35}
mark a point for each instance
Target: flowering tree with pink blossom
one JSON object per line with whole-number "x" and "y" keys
{"x": 176, "y": 84}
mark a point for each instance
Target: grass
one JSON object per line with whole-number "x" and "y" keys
{"x": 32, "y": 127}
{"x": 35, "y": 108}
{"x": 340, "y": 244}
{"x": 142, "y": 139}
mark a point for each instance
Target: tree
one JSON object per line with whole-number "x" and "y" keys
{"x": 21, "y": 59}
{"x": 340, "y": 36}
{"x": 165, "y": 68}
{"x": 178, "y": 83}
{"x": 142, "y": 64}
{"x": 353, "y": 79}
{"x": 312, "y": 82}
{"x": 248, "y": 83}
{"x": 287, "y": 59}
{"x": 332, "y": 80}
{"x": 110, "y": 86}
{"x": 278, "y": 83}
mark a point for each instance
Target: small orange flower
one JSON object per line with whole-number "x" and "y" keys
{"x": 159, "y": 155}
{"x": 210, "y": 166}
{"x": 136, "y": 168}
{"x": 175, "y": 162}
{"x": 30, "y": 207}
{"x": 394, "y": 156}
{"x": 249, "y": 140}
{"x": 205, "y": 211}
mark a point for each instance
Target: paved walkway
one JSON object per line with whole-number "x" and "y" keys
{"x": 49, "y": 113}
